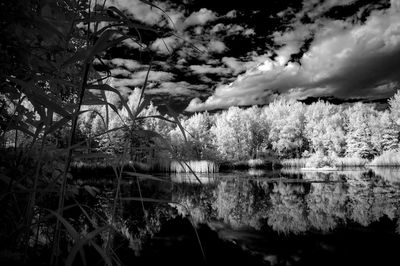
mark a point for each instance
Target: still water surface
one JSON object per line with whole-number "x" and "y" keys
{"x": 262, "y": 218}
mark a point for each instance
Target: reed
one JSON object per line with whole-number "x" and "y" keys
{"x": 202, "y": 166}
{"x": 294, "y": 163}
{"x": 387, "y": 158}
{"x": 255, "y": 163}
{"x": 350, "y": 162}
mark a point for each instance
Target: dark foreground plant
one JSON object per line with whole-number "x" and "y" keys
{"x": 48, "y": 50}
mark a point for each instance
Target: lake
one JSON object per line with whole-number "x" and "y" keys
{"x": 254, "y": 217}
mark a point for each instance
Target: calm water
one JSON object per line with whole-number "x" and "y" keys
{"x": 262, "y": 218}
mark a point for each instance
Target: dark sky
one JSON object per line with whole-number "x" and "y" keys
{"x": 246, "y": 53}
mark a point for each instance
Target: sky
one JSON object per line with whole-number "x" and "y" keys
{"x": 216, "y": 54}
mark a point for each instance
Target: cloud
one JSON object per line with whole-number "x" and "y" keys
{"x": 231, "y": 14}
{"x": 165, "y": 45}
{"x": 126, "y": 63}
{"x": 139, "y": 10}
{"x": 248, "y": 32}
{"x": 235, "y": 65}
{"x": 315, "y": 8}
{"x": 137, "y": 78}
{"x": 216, "y": 46}
{"x": 120, "y": 72}
{"x": 207, "y": 69}
{"x": 343, "y": 60}
{"x": 177, "y": 89}
{"x": 200, "y": 17}
{"x": 231, "y": 29}
{"x": 132, "y": 44}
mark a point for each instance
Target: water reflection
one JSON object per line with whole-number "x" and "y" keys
{"x": 324, "y": 202}
{"x": 258, "y": 211}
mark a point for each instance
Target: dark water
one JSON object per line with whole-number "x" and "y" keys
{"x": 261, "y": 218}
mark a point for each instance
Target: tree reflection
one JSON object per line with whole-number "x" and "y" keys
{"x": 327, "y": 205}
{"x": 316, "y": 201}
{"x": 288, "y": 212}
{"x": 241, "y": 202}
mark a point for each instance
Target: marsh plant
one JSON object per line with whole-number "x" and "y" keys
{"x": 50, "y": 53}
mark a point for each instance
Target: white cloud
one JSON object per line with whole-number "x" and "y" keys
{"x": 200, "y": 17}
{"x": 207, "y": 69}
{"x": 235, "y": 29}
{"x": 120, "y": 72}
{"x": 344, "y": 60}
{"x": 198, "y": 30}
{"x": 217, "y": 28}
{"x": 137, "y": 78}
{"x": 177, "y": 88}
{"x": 314, "y": 8}
{"x": 138, "y": 10}
{"x": 165, "y": 45}
{"x": 132, "y": 44}
{"x": 127, "y": 63}
{"x": 231, "y": 14}
{"x": 216, "y": 46}
{"x": 231, "y": 29}
{"x": 235, "y": 65}
{"x": 248, "y": 32}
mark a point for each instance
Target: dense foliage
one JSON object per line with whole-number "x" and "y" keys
{"x": 53, "y": 101}
{"x": 291, "y": 129}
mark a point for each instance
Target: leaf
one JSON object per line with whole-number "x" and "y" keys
{"x": 175, "y": 116}
{"x": 8, "y": 180}
{"x": 97, "y": 18}
{"x": 147, "y": 133}
{"x": 129, "y": 22}
{"x": 59, "y": 124}
{"x": 46, "y": 26}
{"x": 162, "y": 10}
{"x": 102, "y": 253}
{"x": 20, "y": 128}
{"x": 156, "y": 116}
{"x": 40, "y": 97}
{"x": 83, "y": 257}
{"x": 145, "y": 80}
{"x": 144, "y": 176}
{"x": 92, "y": 99}
{"x": 92, "y": 190}
{"x": 86, "y": 214}
{"x": 93, "y": 155}
{"x": 102, "y": 43}
{"x": 147, "y": 200}
{"x": 67, "y": 225}
{"x": 107, "y": 87}
{"x": 191, "y": 170}
{"x": 109, "y": 131}
{"x": 78, "y": 56}
{"x": 143, "y": 105}
{"x": 78, "y": 246}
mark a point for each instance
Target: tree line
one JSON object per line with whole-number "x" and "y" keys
{"x": 284, "y": 128}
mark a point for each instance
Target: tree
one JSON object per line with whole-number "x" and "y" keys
{"x": 324, "y": 128}
{"x": 384, "y": 132}
{"x": 199, "y": 138}
{"x": 394, "y": 106}
{"x": 359, "y": 133}
{"x": 286, "y": 121}
{"x": 238, "y": 133}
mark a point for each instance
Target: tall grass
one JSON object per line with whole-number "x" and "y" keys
{"x": 294, "y": 163}
{"x": 350, "y": 162}
{"x": 72, "y": 36}
{"x": 203, "y": 166}
{"x": 335, "y": 162}
{"x": 387, "y": 158}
